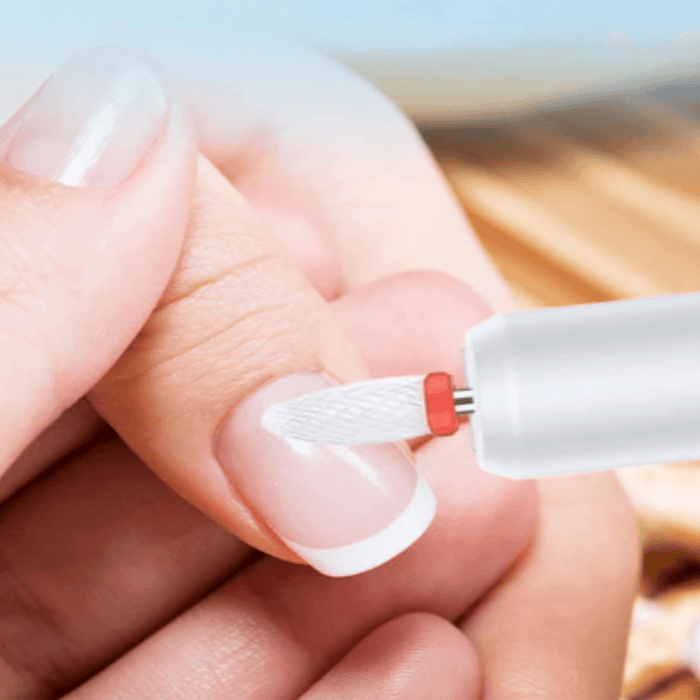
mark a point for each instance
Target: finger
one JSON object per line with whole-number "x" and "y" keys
{"x": 241, "y": 328}
{"x": 413, "y": 657}
{"x": 96, "y": 174}
{"x": 387, "y": 207}
{"x": 93, "y": 558}
{"x": 568, "y": 603}
{"x": 271, "y": 631}
{"x": 308, "y": 141}
{"x": 579, "y": 579}
{"x": 170, "y": 552}
{"x": 310, "y": 136}
{"x": 425, "y": 311}
{"x": 69, "y": 431}
{"x": 397, "y": 170}
{"x": 291, "y": 213}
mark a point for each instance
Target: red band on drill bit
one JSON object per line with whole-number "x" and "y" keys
{"x": 439, "y": 403}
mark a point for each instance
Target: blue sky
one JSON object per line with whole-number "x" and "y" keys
{"x": 360, "y": 25}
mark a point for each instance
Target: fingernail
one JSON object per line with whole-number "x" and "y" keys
{"x": 344, "y": 509}
{"x": 91, "y": 122}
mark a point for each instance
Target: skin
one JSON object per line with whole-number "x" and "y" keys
{"x": 118, "y": 584}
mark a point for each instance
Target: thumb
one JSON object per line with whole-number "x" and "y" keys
{"x": 96, "y": 171}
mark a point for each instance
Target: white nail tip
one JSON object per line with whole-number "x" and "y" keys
{"x": 379, "y": 548}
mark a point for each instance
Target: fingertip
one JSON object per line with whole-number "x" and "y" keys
{"x": 412, "y": 322}
{"x": 414, "y": 656}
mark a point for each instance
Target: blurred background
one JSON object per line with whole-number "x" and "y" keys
{"x": 569, "y": 132}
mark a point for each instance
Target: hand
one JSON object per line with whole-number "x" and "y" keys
{"x": 99, "y": 556}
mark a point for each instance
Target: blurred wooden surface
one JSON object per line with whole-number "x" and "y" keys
{"x": 592, "y": 203}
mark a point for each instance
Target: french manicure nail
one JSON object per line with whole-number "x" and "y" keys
{"x": 344, "y": 509}
{"x": 91, "y": 122}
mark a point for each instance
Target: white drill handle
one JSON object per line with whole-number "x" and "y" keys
{"x": 586, "y": 388}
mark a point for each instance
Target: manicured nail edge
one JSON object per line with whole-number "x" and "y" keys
{"x": 379, "y": 548}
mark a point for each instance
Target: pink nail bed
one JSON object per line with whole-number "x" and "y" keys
{"x": 344, "y": 509}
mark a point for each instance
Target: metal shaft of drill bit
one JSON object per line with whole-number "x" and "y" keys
{"x": 464, "y": 401}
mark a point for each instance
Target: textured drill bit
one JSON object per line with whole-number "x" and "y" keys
{"x": 377, "y": 410}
